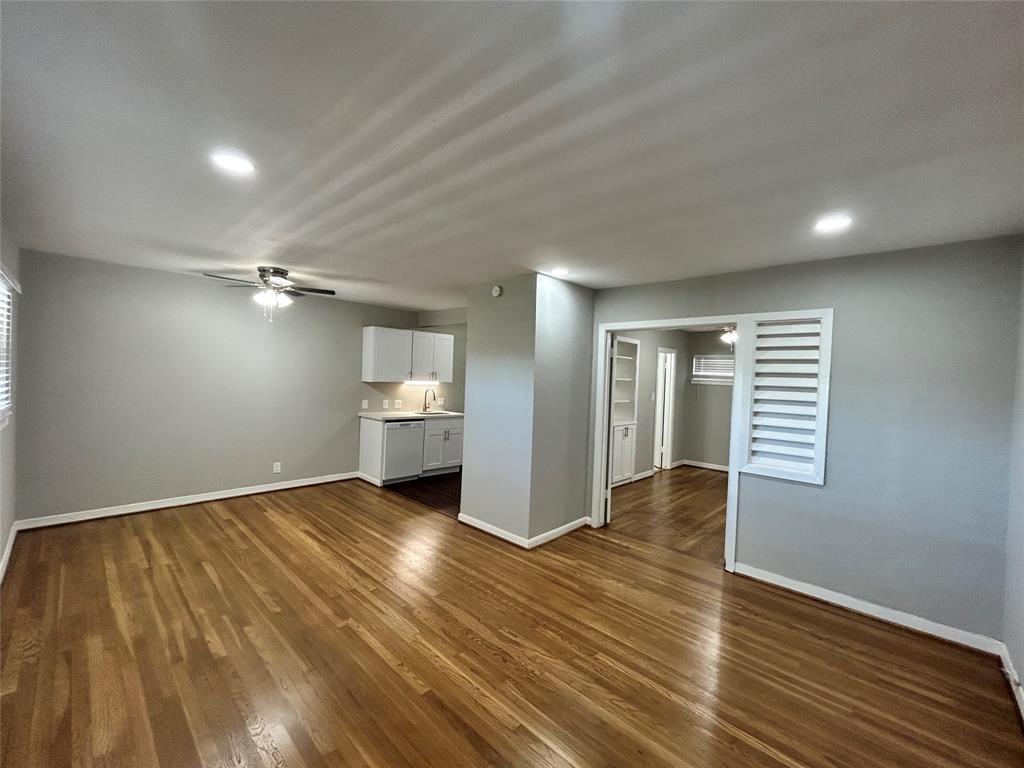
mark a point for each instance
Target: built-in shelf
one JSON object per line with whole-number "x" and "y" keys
{"x": 623, "y": 378}
{"x": 623, "y": 401}
{"x": 624, "y": 357}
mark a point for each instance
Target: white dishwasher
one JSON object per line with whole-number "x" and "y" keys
{"x": 403, "y": 449}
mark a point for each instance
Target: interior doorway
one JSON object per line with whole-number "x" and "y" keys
{"x": 653, "y": 491}
{"x": 664, "y": 408}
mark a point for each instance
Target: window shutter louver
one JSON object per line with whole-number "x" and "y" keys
{"x": 788, "y": 405}
{"x": 5, "y": 345}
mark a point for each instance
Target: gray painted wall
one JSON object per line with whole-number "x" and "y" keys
{"x": 498, "y": 442}
{"x": 9, "y": 263}
{"x": 1013, "y": 618}
{"x": 708, "y": 407}
{"x": 561, "y": 405}
{"x": 913, "y": 513}
{"x": 139, "y": 385}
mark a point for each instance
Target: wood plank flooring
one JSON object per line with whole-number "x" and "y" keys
{"x": 441, "y": 493}
{"x": 682, "y": 509}
{"x": 342, "y": 625}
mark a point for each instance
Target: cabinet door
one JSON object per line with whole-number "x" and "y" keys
{"x": 422, "y": 355}
{"x": 392, "y": 354}
{"x": 629, "y": 452}
{"x": 617, "y": 463}
{"x": 433, "y": 449}
{"x": 444, "y": 357}
{"x": 453, "y": 448}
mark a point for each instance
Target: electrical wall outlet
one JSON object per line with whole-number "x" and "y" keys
{"x": 440, "y": 402}
{"x": 398, "y": 403}
{"x": 366, "y": 404}
{"x": 277, "y": 467}
{"x": 384, "y": 404}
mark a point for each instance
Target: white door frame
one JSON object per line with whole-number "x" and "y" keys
{"x": 664, "y": 405}
{"x": 600, "y": 493}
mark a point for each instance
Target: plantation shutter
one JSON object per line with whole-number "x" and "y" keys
{"x": 6, "y": 306}
{"x": 789, "y": 397}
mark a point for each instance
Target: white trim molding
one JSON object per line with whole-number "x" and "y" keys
{"x": 1013, "y": 677}
{"x": 7, "y": 549}
{"x": 700, "y": 465}
{"x": 177, "y": 501}
{"x": 890, "y": 615}
{"x": 522, "y": 541}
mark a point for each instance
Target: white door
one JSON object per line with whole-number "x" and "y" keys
{"x": 453, "y": 447}
{"x": 433, "y": 447}
{"x": 664, "y": 408}
{"x": 422, "y": 355}
{"x": 392, "y": 353}
{"x": 444, "y": 357}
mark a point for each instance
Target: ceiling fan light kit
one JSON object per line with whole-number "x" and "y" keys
{"x": 273, "y": 289}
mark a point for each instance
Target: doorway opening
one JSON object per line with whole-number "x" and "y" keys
{"x": 668, "y": 476}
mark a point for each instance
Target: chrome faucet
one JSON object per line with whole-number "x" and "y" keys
{"x": 426, "y": 407}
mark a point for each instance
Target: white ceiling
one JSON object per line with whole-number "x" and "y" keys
{"x": 406, "y": 151}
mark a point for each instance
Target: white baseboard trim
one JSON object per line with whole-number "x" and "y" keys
{"x": 700, "y": 464}
{"x": 1011, "y": 674}
{"x": 501, "y": 533}
{"x": 554, "y": 533}
{"x": 642, "y": 475}
{"x": 177, "y": 501}
{"x": 370, "y": 480}
{"x": 7, "y": 549}
{"x": 522, "y": 541}
{"x": 891, "y": 615}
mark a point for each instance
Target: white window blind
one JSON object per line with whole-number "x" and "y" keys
{"x": 713, "y": 369}
{"x": 5, "y": 345}
{"x": 788, "y": 406}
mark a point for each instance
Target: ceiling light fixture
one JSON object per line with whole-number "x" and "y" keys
{"x": 232, "y": 162}
{"x": 833, "y": 223}
{"x": 559, "y": 272}
{"x": 729, "y": 337}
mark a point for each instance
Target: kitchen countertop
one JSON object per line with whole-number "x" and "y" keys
{"x": 408, "y": 415}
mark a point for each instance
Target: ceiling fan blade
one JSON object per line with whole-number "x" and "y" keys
{"x": 290, "y": 292}
{"x": 320, "y": 291}
{"x": 249, "y": 283}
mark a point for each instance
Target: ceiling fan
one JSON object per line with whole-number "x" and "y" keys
{"x": 274, "y": 289}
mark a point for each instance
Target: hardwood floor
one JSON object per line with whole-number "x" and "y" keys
{"x": 343, "y": 625}
{"x": 442, "y": 493}
{"x": 681, "y": 509}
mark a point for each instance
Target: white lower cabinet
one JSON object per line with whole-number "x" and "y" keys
{"x": 442, "y": 444}
{"x": 623, "y": 452}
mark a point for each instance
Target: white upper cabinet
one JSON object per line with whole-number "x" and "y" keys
{"x": 387, "y": 354}
{"x": 444, "y": 357}
{"x": 422, "y": 355}
{"x": 393, "y": 354}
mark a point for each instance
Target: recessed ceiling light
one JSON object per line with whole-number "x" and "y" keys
{"x": 833, "y": 223}
{"x": 232, "y": 162}
{"x": 559, "y": 272}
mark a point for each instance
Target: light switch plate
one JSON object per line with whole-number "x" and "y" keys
{"x": 384, "y": 404}
{"x": 277, "y": 467}
{"x": 440, "y": 402}
{"x": 366, "y": 404}
{"x": 398, "y": 403}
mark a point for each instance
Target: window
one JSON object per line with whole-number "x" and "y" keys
{"x": 786, "y": 369}
{"x": 713, "y": 369}
{"x": 6, "y": 304}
